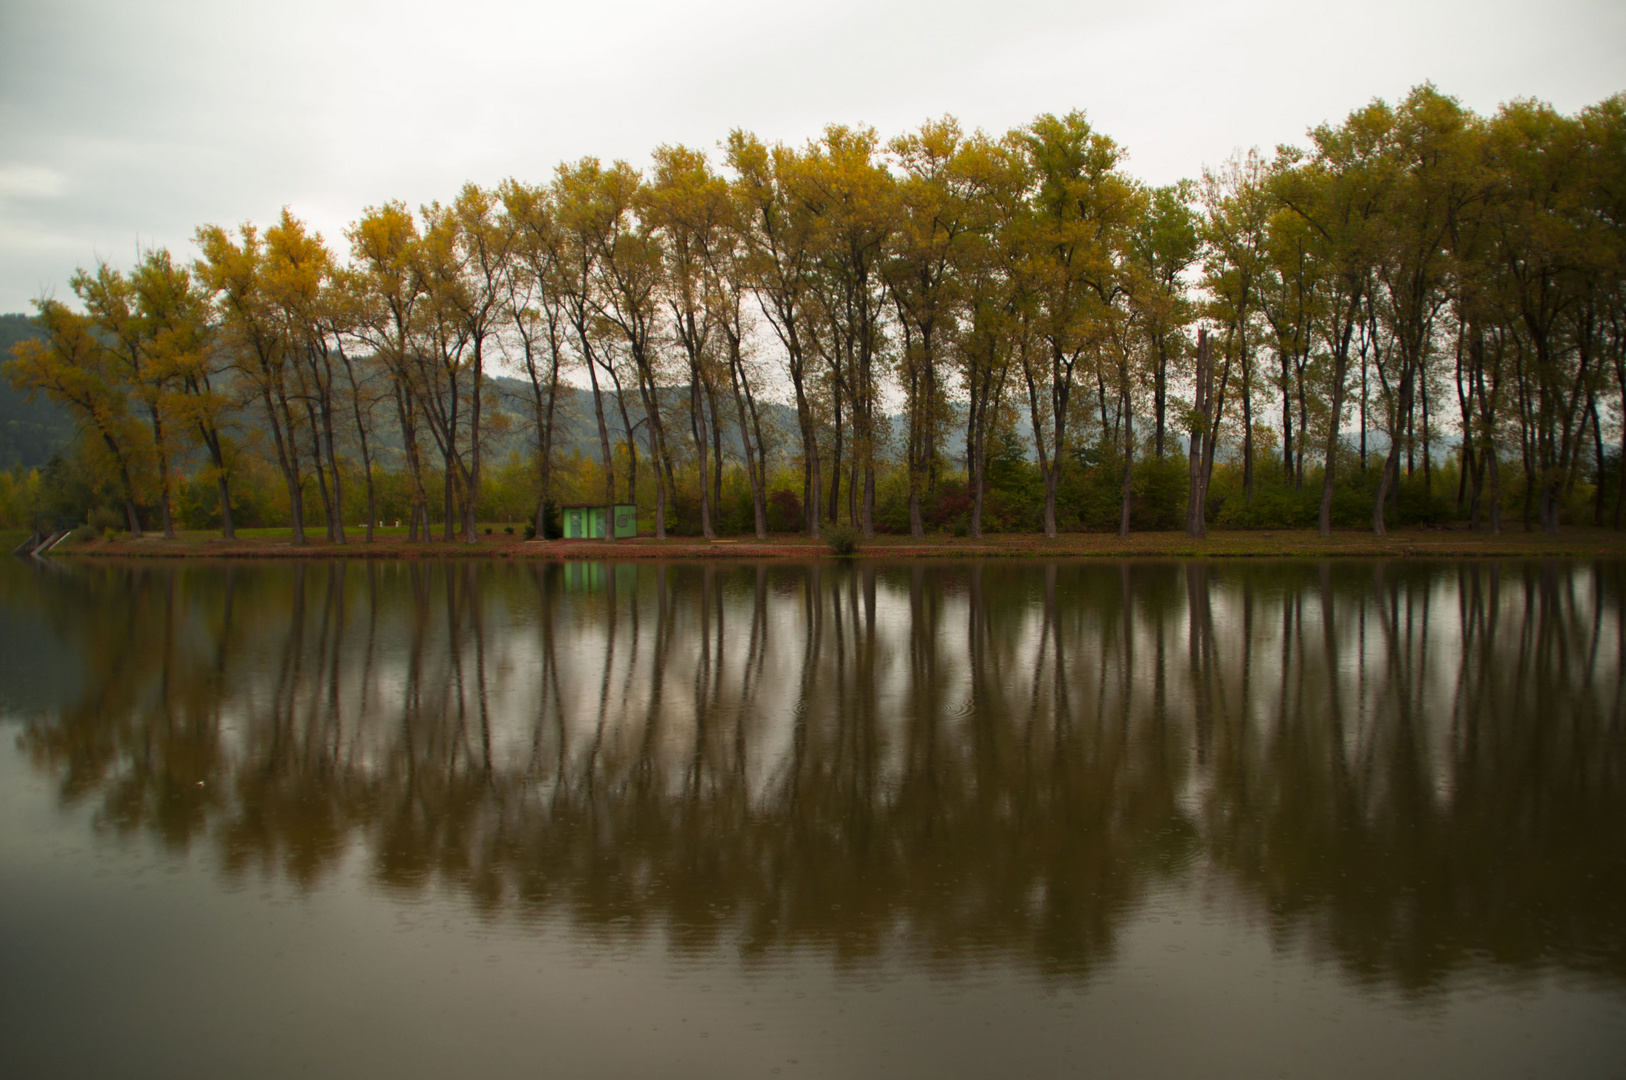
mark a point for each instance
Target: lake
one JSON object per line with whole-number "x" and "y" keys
{"x": 490, "y": 818}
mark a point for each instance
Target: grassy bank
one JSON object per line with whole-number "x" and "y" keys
{"x": 392, "y": 544}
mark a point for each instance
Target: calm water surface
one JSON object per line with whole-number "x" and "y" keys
{"x": 1225, "y": 819}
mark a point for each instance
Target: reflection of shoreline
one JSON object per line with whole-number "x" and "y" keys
{"x": 1410, "y": 764}
{"x": 1577, "y": 542}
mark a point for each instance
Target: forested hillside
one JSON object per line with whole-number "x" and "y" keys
{"x": 30, "y": 431}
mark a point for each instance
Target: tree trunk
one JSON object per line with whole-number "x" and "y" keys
{"x": 603, "y": 429}
{"x": 288, "y": 458}
{"x": 471, "y": 492}
{"x": 1247, "y": 422}
{"x": 164, "y": 479}
{"x": 1287, "y": 414}
{"x": 1160, "y": 390}
{"x": 697, "y": 426}
{"x": 1495, "y": 488}
{"x": 1197, "y": 488}
{"x": 1129, "y": 461}
{"x": 211, "y": 439}
{"x": 716, "y": 448}
{"x": 753, "y": 473}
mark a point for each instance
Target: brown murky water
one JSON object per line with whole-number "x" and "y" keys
{"x": 1140, "y": 819}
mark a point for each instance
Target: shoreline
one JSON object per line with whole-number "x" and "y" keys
{"x": 1279, "y": 543}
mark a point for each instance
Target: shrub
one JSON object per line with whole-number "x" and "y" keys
{"x": 785, "y": 511}
{"x": 105, "y": 520}
{"x": 842, "y": 539}
{"x": 951, "y": 507}
{"x": 1159, "y": 501}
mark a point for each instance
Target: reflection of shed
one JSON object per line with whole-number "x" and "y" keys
{"x": 597, "y": 577}
{"x": 589, "y": 521}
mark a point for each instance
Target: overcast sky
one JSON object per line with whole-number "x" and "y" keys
{"x": 134, "y": 122}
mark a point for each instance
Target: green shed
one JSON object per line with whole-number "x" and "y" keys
{"x": 583, "y": 522}
{"x": 587, "y": 521}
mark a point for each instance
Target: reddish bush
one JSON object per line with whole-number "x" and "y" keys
{"x": 953, "y": 504}
{"x": 785, "y": 511}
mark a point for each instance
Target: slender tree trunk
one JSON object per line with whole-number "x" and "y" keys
{"x": 914, "y": 450}
{"x": 211, "y": 440}
{"x": 1597, "y": 444}
{"x": 603, "y": 429}
{"x": 325, "y": 386}
{"x": 1495, "y": 488}
{"x": 975, "y": 446}
{"x": 1160, "y": 389}
{"x": 1330, "y": 470}
{"x": 867, "y": 520}
{"x": 716, "y": 448}
{"x": 1390, "y": 476}
{"x": 545, "y": 451}
{"x": 451, "y": 460}
{"x": 976, "y": 461}
{"x": 1365, "y": 423}
{"x": 1129, "y": 458}
{"x": 319, "y": 468}
{"x": 1341, "y": 342}
{"x": 471, "y": 493}
{"x": 812, "y": 482}
{"x": 1467, "y": 474}
{"x": 753, "y": 474}
{"x": 1304, "y": 424}
{"x": 228, "y": 529}
{"x": 543, "y": 403}
{"x": 449, "y": 516}
{"x": 407, "y": 415}
{"x": 660, "y": 456}
{"x": 1197, "y": 490}
{"x": 132, "y": 515}
{"x": 164, "y": 479}
{"x": 1287, "y": 414}
{"x": 697, "y": 426}
{"x": 1388, "y": 481}
{"x": 835, "y": 463}
{"x": 632, "y": 445}
{"x": 1048, "y": 464}
{"x": 287, "y": 458}
{"x": 1428, "y": 458}
{"x": 1620, "y": 481}
{"x": 363, "y": 441}
{"x": 1247, "y": 417}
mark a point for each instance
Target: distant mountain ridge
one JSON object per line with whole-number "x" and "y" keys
{"x": 576, "y": 427}
{"x": 31, "y": 432}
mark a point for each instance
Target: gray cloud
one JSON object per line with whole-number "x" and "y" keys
{"x": 127, "y": 122}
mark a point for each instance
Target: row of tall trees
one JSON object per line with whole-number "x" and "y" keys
{"x": 1422, "y": 269}
{"x": 1418, "y": 276}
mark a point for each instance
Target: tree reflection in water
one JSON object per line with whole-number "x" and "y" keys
{"x": 1408, "y": 768}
